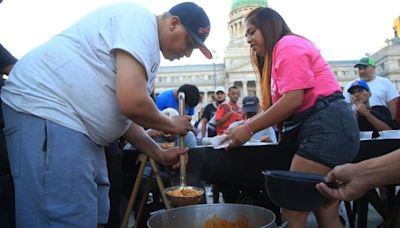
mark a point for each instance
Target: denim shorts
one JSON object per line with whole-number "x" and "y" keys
{"x": 330, "y": 136}
{"x": 60, "y": 175}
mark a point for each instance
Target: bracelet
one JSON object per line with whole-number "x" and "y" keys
{"x": 246, "y": 124}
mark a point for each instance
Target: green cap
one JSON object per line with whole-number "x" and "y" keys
{"x": 365, "y": 61}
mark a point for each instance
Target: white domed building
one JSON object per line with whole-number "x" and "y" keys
{"x": 237, "y": 69}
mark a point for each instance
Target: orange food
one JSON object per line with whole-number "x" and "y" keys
{"x": 190, "y": 192}
{"x": 185, "y": 192}
{"x": 217, "y": 222}
{"x": 167, "y": 145}
{"x": 176, "y": 193}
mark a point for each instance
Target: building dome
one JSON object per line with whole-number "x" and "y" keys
{"x": 237, "y": 4}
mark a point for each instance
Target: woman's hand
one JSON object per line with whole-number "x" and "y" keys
{"x": 239, "y": 136}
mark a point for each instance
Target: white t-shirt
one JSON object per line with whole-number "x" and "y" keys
{"x": 382, "y": 91}
{"x": 71, "y": 79}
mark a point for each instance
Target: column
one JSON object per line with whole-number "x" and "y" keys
{"x": 244, "y": 92}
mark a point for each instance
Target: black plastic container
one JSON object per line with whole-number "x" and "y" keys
{"x": 294, "y": 190}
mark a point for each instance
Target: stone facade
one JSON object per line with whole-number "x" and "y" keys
{"x": 237, "y": 70}
{"x": 388, "y": 61}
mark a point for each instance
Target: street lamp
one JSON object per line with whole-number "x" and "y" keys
{"x": 214, "y": 67}
{"x": 215, "y": 77}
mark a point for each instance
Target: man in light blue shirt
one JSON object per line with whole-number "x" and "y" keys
{"x": 169, "y": 98}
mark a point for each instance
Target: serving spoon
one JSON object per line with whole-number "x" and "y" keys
{"x": 183, "y": 195}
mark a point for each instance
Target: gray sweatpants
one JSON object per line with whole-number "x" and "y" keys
{"x": 60, "y": 175}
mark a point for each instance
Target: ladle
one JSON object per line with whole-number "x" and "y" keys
{"x": 183, "y": 195}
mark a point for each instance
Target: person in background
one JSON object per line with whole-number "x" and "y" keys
{"x": 383, "y": 91}
{"x": 355, "y": 179}
{"x": 7, "y": 61}
{"x": 375, "y": 118}
{"x": 169, "y": 98}
{"x": 228, "y": 112}
{"x": 299, "y": 89}
{"x": 207, "y": 126}
{"x": 114, "y": 156}
{"x": 197, "y": 125}
{"x": 7, "y": 205}
{"x": 82, "y": 90}
{"x": 250, "y": 108}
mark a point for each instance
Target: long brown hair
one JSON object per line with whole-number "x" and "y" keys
{"x": 273, "y": 28}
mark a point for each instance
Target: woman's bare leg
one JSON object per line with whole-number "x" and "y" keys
{"x": 326, "y": 217}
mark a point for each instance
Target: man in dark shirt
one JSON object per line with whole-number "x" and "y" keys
{"x": 375, "y": 118}
{"x": 207, "y": 126}
{"x": 6, "y": 187}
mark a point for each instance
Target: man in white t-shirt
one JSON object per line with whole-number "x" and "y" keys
{"x": 83, "y": 89}
{"x": 382, "y": 89}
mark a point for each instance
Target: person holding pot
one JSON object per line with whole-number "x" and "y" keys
{"x": 355, "y": 179}
{"x": 299, "y": 92}
{"x": 83, "y": 89}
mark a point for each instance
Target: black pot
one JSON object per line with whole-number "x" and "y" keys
{"x": 294, "y": 190}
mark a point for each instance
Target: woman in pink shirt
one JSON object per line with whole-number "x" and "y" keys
{"x": 299, "y": 91}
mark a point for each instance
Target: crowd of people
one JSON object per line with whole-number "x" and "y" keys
{"x": 93, "y": 84}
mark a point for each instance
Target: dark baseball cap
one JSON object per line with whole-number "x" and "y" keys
{"x": 250, "y": 104}
{"x": 359, "y": 84}
{"x": 196, "y": 23}
{"x": 365, "y": 61}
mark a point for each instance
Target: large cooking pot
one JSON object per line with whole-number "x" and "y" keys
{"x": 197, "y": 216}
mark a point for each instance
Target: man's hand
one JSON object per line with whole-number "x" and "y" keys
{"x": 170, "y": 157}
{"x": 351, "y": 185}
{"x": 362, "y": 109}
{"x": 181, "y": 125}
